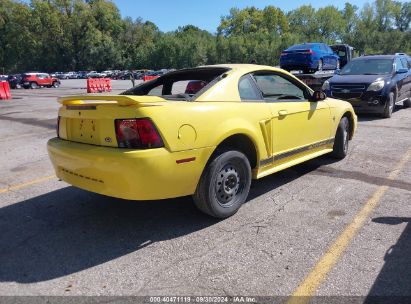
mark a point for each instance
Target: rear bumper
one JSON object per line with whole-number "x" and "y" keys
{"x": 298, "y": 66}
{"x": 129, "y": 174}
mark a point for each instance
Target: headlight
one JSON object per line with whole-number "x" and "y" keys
{"x": 326, "y": 85}
{"x": 376, "y": 85}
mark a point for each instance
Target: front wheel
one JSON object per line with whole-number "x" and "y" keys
{"x": 56, "y": 84}
{"x": 407, "y": 103}
{"x": 224, "y": 184}
{"x": 340, "y": 148}
{"x": 389, "y": 106}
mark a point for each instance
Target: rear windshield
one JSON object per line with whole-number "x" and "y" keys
{"x": 368, "y": 67}
{"x": 301, "y": 47}
{"x": 180, "y": 85}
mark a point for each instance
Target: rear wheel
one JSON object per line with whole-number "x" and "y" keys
{"x": 407, "y": 103}
{"x": 389, "y": 106}
{"x": 34, "y": 85}
{"x": 224, "y": 184}
{"x": 340, "y": 148}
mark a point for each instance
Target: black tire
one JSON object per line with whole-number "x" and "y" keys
{"x": 389, "y": 106}
{"x": 340, "y": 148}
{"x": 56, "y": 84}
{"x": 407, "y": 103}
{"x": 34, "y": 85}
{"x": 224, "y": 184}
{"x": 320, "y": 65}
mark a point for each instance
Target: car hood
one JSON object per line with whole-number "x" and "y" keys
{"x": 357, "y": 78}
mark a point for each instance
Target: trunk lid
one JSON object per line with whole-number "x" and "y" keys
{"x": 296, "y": 55}
{"x": 91, "y": 119}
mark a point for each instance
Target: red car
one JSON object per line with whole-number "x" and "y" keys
{"x": 36, "y": 80}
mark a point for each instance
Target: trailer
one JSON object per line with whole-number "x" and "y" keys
{"x": 315, "y": 81}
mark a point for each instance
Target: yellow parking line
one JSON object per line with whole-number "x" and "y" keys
{"x": 19, "y": 186}
{"x": 318, "y": 274}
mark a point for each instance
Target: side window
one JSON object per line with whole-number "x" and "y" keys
{"x": 404, "y": 63}
{"x": 157, "y": 91}
{"x": 275, "y": 88}
{"x": 247, "y": 90}
{"x": 398, "y": 64}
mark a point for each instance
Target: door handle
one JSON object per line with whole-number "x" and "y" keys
{"x": 282, "y": 112}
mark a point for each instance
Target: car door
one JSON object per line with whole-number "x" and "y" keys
{"x": 407, "y": 78}
{"x": 47, "y": 79}
{"x": 325, "y": 56}
{"x": 401, "y": 79}
{"x": 40, "y": 79}
{"x": 43, "y": 79}
{"x": 298, "y": 124}
{"x": 333, "y": 58}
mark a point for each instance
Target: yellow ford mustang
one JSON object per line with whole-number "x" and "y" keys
{"x": 205, "y": 132}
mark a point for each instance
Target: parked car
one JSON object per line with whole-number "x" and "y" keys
{"x": 239, "y": 122}
{"x": 36, "y": 80}
{"x": 72, "y": 75}
{"x": 61, "y": 75}
{"x": 108, "y": 73}
{"x": 124, "y": 75}
{"x": 373, "y": 84}
{"x": 93, "y": 74}
{"x": 82, "y": 74}
{"x": 344, "y": 52}
{"x": 309, "y": 57}
{"x": 15, "y": 81}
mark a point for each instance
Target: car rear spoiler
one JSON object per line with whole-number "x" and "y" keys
{"x": 122, "y": 100}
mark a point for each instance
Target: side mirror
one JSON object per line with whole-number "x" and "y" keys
{"x": 402, "y": 71}
{"x": 318, "y": 96}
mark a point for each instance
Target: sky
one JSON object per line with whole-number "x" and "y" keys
{"x": 168, "y": 15}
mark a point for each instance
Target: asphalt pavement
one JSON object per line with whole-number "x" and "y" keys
{"x": 59, "y": 240}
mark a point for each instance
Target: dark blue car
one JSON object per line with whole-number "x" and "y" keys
{"x": 373, "y": 84}
{"x": 309, "y": 57}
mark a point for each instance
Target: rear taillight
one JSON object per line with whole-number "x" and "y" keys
{"x": 309, "y": 52}
{"x": 58, "y": 126}
{"x": 137, "y": 134}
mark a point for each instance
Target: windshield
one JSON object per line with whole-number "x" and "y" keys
{"x": 368, "y": 67}
{"x": 300, "y": 47}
